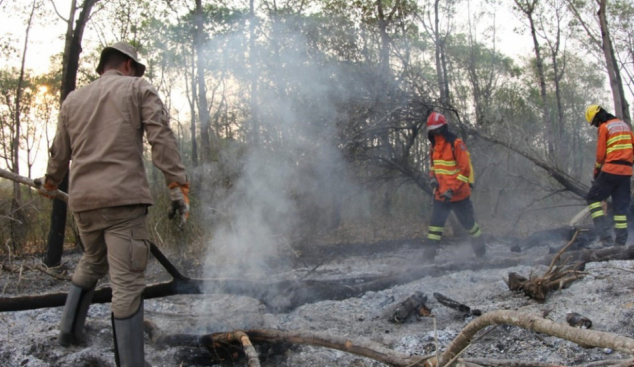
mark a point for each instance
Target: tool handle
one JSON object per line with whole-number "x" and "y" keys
{"x": 29, "y": 182}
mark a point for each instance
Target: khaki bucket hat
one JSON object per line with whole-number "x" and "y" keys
{"x": 126, "y": 49}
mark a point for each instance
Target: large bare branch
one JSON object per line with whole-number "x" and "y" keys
{"x": 585, "y": 337}
{"x": 570, "y": 183}
{"x": 380, "y": 353}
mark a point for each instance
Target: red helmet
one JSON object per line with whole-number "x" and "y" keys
{"x": 435, "y": 120}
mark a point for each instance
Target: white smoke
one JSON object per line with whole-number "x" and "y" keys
{"x": 293, "y": 173}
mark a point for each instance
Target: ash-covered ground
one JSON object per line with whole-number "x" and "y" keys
{"x": 604, "y": 295}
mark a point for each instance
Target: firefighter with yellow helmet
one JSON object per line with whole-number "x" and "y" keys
{"x": 612, "y": 173}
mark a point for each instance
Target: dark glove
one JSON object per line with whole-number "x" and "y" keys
{"x": 433, "y": 183}
{"x": 447, "y": 195}
{"x": 179, "y": 195}
{"x": 45, "y": 187}
{"x": 596, "y": 173}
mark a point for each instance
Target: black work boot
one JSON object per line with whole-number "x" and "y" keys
{"x": 431, "y": 250}
{"x": 621, "y": 236}
{"x": 128, "y": 340}
{"x": 479, "y": 246}
{"x": 603, "y": 229}
{"x": 71, "y": 329}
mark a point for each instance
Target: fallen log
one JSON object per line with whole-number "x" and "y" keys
{"x": 595, "y": 255}
{"x": 286, "y": 295}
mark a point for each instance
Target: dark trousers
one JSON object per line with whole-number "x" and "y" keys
{"x": 618, "y": 187}
{"x": 464, "y": 212}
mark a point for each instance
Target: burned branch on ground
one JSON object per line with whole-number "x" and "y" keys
{"x": 231, "y": 342}
{"x": 558, "y": 276}
{"x": 448, "y": 302}
{"x": 412, "y": 305}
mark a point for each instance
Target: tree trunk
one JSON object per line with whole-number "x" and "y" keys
{"x": 444, "y": 94}
{"x": 203, "y": 111}
{"x": 621, "y": 107}
{"x": 528, "y": 10}
{"x": 384, "y": 53}
{"x": 57, "y": 230}
{"x": 190, "y": 92}
{"x": 16, "y": 233}
{"x": 253, "y": 136}
{"x": 72, "y": 50}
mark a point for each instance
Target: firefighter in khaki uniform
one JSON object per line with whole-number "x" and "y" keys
{"x": 612, "y": 173}
{"x": 100, "y": 130}
{"x": 450, "y": 172}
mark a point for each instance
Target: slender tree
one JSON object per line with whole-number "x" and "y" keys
{"x": 70, "y": 66}
{"x": 528, "y": 9}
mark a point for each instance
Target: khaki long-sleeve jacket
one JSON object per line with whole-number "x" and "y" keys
{"x": 100, "y": 137}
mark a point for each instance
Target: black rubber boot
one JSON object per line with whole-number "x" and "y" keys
{"x": 621, "y": 236}
{"x": 128, "y": 340}
{"x": 603, "y": 229}
{"x": 71, "y": 329}
{"x": 479, "y": 246}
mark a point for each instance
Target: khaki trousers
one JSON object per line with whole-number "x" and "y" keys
{"x": 115, "y": 240}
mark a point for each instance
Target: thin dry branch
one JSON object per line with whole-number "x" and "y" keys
{"x": 39, "y": 267}
{"x": 558, "y": 255}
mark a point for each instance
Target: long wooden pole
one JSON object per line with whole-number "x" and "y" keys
{"x": 29, "y": 182}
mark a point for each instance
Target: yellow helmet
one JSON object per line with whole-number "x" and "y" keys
{"x": 592, "y": 111}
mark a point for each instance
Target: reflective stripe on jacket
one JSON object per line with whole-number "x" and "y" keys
{"x": 614, "y": 148}
{"x": 451, "y": 168}
{"x": 100, "y": 129}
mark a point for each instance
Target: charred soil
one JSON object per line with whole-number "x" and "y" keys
{"x": 604, "y": 296}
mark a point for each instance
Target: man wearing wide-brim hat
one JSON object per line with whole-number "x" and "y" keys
{"x": 100, "y": 130}
{"x": 125, "y": 49}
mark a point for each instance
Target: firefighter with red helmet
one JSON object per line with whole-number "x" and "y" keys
{"x": 612, "y": 173}
{"x": 451, "y": 177}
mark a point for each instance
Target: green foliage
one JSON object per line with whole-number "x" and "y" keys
{"x": 303, "y": 81}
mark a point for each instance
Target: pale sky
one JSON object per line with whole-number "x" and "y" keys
{"x": 46, "y": 38}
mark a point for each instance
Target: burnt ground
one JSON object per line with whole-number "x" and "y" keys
{"x": 605, "y": 296}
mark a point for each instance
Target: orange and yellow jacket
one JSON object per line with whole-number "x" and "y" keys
{"x": 451, "y": 167}
{"x": 614, "y": 148}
